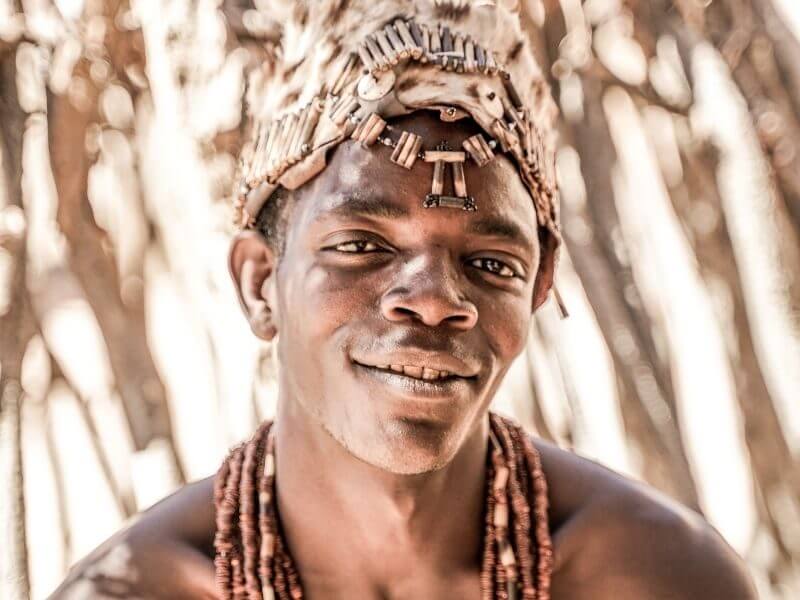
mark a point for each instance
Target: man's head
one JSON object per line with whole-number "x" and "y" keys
{"x": 366, "y": 279}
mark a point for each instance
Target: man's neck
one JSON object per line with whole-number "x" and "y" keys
{"x": 340, "y": 514}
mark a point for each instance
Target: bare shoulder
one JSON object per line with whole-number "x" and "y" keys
{"x": 616, "y": 538}
{"x": 163, "y": 553}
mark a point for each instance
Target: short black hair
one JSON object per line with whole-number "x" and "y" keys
{"x": 273, "y": 218}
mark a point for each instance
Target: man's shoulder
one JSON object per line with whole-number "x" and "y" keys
{"x": 617, "y": 538}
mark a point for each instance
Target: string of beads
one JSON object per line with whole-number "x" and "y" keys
{"x": 253, "y": 561}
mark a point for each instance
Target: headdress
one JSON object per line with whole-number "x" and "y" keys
{"x": 344, "y": 68}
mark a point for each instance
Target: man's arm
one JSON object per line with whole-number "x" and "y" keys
{"x": 166, "y": 552}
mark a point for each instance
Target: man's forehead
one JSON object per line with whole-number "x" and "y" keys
{"x": 385, "y": 204}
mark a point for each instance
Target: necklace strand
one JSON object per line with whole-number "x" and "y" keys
{"x": 252, "y": 560}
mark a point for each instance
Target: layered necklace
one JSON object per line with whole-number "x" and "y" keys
{"x": 253, "y": 560}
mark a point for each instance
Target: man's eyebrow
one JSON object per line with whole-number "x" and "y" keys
{"x": 496, "y": 226}
{"x": 357, "y": 205}
{"x": 378, "y": 206}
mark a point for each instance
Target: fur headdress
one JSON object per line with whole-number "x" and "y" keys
{"x": 344, "y": 67}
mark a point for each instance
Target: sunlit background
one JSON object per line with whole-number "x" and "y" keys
{"x": 127, "y": 368}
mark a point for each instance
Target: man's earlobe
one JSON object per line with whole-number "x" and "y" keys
{"x": 252, "y": 262}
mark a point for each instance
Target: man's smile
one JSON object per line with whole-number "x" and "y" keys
{"x": 419, "y": 364}
{"x": 414, "y": 371}
{"x": 410, "y": 380}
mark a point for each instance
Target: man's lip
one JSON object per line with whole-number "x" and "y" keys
{"x": 404, "y": 389}
{"x": 437, "y": 361}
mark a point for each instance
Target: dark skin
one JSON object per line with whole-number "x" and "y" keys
{"x": 370, "y": 278}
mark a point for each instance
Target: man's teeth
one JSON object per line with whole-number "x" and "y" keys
{"x": 416, "y": 372}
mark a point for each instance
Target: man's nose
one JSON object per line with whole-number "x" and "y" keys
{"x": 428, "y": 290}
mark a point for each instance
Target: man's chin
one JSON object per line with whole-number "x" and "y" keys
{"x": 405, "y": 446}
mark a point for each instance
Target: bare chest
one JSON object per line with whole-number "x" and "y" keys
{"x": 412, "y": 585}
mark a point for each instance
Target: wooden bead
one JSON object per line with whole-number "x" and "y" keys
{"x": 502, "y": 135}
{"x": 491, "y": 63}
{"x": 459, "y": 181}
{"x": 458, "y": 48}
{"x": 448, "y": 156}
{"x": 344, "y": 74}
{"x": 314, "y": 112}
{"x": 269, "y": 465}
{"x": 478, "y": 149}
{"x": 447, "y": 46}
{"x": 447, "y": 39}
{"x": 294, "y": 144}
{"x": 301, "y": 172}
{"x": 426, "y": 44}
{"x": 480, "y": 58}
{"x": 513, "y": 116}
{"x": 511, "y": 589}
{"x": 386, "y": 47}
{"x": 258, "y": 152}
{"x": 268, "y": 545}
{"x": 469, "y": 57}
{"x": 397, "y": 149}
{"x": 416, "y": 33}
{"x": 512, "y": 91}
{"x": 381, "y": 61}
{"x": 276, "y": 156}
{"x": 436, "y": 40}
{"x": 507, "y": 557}
{"x": 437, "y": 185}
{"x": 366, "y": 57}
{"x": 501, "y": 479}
{"x": 274, "y": 133}
{"x": 436, "y": 47}
{"x": 369, "y": 130}
{"x": 405, "y": 34}
{"x": 343, "y": 110}
{"x": 398, "y": 45}
{"x": 255, "y": 199}
{"x": 291, "y": 128}
{"x": 500, "y": 517}
{"x": 407, "y": 149}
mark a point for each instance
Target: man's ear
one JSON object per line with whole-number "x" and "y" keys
{"x": 547, "y": 270}
{"x": 252, "y": 264}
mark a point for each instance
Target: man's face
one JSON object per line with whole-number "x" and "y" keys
{"x": 371, "y": 283}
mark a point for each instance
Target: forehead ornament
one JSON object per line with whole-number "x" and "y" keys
{"x": 441, "y": 158}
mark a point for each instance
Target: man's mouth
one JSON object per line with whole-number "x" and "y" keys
{"x": 413, "y": 371}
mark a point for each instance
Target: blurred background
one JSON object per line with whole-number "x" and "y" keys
{"x": 126, "y": 368}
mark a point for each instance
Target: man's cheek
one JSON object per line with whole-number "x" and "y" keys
{"x": 511, "y": 323}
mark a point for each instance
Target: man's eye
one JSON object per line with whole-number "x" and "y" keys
{"x": 494, "y": 266}
{"x": 355, "y": 246}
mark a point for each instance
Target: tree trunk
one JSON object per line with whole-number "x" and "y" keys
{"x": 773, "y": 466}
{"x": 73, "y": 118}
{"x": 646, "y": 394}
{"x": 16, "y": 329}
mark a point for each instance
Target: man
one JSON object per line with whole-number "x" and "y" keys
{"x": 398, "y": 278}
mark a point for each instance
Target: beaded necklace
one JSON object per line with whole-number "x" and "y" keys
{"x": 253, "y": 561}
